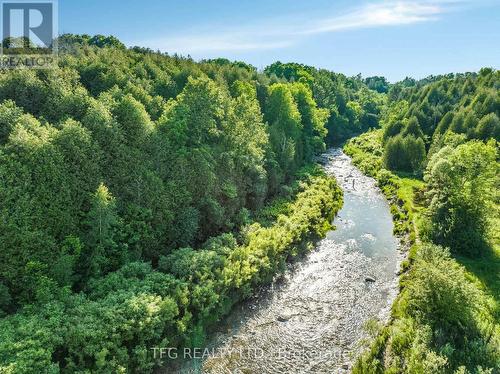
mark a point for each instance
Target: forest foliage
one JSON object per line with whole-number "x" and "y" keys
{"x": 142, "y": 195}
{"x": 422, "y": 118}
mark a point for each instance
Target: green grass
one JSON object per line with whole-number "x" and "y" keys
{"x": 484, "y": 271}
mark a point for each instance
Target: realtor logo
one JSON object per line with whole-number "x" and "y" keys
{"x": 29, "y": 33}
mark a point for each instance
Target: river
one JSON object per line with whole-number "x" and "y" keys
{"x": 311, "y": 320}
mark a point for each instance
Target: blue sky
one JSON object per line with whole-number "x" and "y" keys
{"x": 391, "y": 38}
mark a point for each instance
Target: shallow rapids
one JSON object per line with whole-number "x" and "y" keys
{"x": 312, "y": 319}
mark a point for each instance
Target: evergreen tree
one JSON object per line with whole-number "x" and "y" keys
{"x": 101, "y": 253}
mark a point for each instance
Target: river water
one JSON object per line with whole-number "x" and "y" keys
{"x": 312, "y": 319}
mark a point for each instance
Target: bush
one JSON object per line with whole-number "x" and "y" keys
{"x": 460, "y": 191}
{"x": 404, "y": 153}
{"x": 444, "y": 322}
{"x": 440, "y": 295}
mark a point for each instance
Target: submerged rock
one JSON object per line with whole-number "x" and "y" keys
{"x": 283, "y": 318}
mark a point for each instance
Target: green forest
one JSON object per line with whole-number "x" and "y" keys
{"x": 143, "y": 195}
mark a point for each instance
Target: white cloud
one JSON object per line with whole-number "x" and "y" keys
{"x": 283, "y": 32}
{"x": 384, "y": 14}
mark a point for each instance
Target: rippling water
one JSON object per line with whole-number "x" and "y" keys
{"x": 311, "y": 320}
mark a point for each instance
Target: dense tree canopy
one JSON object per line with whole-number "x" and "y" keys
{"x": 430, "y": 109}
{"x": 353, "y": 105}
{"x": 130, "y": 180}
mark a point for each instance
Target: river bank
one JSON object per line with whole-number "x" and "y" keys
{"x": 313, "y": 318}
